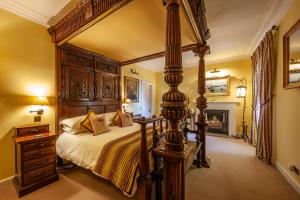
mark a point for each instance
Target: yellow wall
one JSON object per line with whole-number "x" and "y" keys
{"x": 145, "y": 75}
{"x": 287, "y": 144}
{"x": 27, "y": 68}
{"x": 236, "y": 69}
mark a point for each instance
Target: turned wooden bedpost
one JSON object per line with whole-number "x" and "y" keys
{"x": 201, "y": 104}
{"x": 145, "y": 181}
{"x": 173, "y": 108}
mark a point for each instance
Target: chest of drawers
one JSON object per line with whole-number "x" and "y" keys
{"x": 35, "y": 158}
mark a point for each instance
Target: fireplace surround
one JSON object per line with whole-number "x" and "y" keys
{"x": 217, "y": 121}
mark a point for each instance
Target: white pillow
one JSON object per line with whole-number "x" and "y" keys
{"x": 72, "y": 125}
{"x": 109, "y": 117}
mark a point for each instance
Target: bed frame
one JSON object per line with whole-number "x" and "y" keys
{"x": 89, "y": 81}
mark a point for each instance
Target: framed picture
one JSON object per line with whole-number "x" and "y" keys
{"x": 218, "y": 86}
{"x": 131, "y": 89}
{"x": 291, "y": 57}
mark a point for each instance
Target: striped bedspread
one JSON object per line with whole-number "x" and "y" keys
{"x": 119, "y": 161}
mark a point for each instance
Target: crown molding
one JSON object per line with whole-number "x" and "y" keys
{"x": 63, "y": 12}
{"x": 273, "y": 18}
{"x": 25, "y": 12}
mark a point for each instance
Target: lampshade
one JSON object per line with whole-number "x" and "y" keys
{"x": 41, "y": 101}
{"x": 241, "y": 92}
{"x": 127, "y": 101}
{"x": 241, "y": 88}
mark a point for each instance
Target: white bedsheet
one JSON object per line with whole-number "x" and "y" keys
{"x": 84, "y": 149}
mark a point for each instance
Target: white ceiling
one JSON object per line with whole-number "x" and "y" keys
{"x": 39, "y": 11}
{"x": 236, "y": 26}
{"x": 140, "y": 37}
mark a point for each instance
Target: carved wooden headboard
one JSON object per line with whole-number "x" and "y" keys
{"x": 86, "y": 81}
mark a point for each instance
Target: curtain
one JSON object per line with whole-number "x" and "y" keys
{"x": 263, "y": 65}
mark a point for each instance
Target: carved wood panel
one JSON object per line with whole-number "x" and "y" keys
{"x": 104, "y": 65}
{"x": 78, "y": 60}
{"x": 79, "y": 84}
{"x": 106, "y": 86}
{"x": 84, "y": 84}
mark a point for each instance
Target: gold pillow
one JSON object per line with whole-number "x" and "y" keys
{"x": 126, "y": 119}
{"x": 85, "y": 122}
{"x": 117, "y": 120}
{"x": 99, "y": 125}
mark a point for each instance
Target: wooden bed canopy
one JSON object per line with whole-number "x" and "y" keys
{"x": 87, "y": 80}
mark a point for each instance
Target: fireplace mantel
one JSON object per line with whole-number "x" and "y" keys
{"x": 233, "y": 102}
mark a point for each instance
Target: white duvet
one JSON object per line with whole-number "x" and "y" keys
{"x": 84, "y": 149}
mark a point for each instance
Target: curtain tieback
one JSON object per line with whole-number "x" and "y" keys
{"x": 266, "y": 102}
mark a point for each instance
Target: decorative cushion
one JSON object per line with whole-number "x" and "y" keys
{"x": 85, "y": 122}
{"x": 109, "y": 117}
{"x": 99, "y": 125}
{"x": 126, "y": 119}
{"x": 72, "y": 125}
{"x": 116, "y": 121}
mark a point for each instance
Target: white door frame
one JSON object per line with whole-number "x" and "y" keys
{"x": 152, "y": 96}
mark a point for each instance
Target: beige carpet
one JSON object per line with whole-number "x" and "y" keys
{"x": 235, "y": 174}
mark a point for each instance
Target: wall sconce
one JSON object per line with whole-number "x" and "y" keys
{"x": 39, "y": 107}
{"x": 132, "y": 70}
{"x": 214, "y": 71}
{"x": 126, "y": 103}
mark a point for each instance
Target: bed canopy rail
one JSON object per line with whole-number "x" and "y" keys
{"x": 88, "y": 12}
{"x": 84, "y": 15}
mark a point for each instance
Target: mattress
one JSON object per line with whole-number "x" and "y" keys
{"x": 84, "y": 149}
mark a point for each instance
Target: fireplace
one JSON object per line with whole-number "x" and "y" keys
{"x": 217, "y": 121}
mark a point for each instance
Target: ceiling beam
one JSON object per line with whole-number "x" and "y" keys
{"x": 157, "y": 55}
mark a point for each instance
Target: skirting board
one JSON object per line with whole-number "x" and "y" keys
{"x": 288, "y": 177}
{"x": 7, "y": 179}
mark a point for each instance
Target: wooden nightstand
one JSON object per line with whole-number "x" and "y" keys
{"x": 35, "y": 158}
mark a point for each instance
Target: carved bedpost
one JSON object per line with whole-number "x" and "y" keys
{"x": 173, "y": 108}
{"x": 202, "y": 103}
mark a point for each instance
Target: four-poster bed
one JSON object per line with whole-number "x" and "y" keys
{"x": 89, "y": 81}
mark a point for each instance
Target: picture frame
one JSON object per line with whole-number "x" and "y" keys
{"x": 291, "y": 57}
{"x": 131, "y": 88}
{"x": 217, "y": 86}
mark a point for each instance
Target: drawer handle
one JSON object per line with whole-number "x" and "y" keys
{"x": 39, "y": 153}
{"x": 41, "y": 145}
{"x": 39, "y": 174}
{"x": 39, "y": 163}
{"x": 34, "y": 130}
